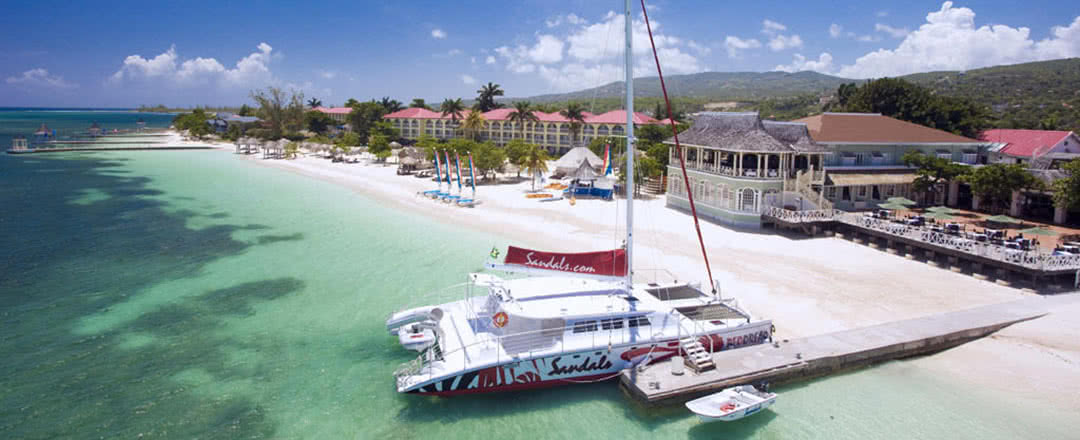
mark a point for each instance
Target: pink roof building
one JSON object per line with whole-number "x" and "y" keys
{"x": 1015, "y": 146}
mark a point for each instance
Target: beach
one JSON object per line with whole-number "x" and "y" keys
{"x": 807, "y": 286}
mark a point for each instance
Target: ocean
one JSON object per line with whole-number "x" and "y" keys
{"x": 192, "y": 294}
{"x": 20, "y": 121}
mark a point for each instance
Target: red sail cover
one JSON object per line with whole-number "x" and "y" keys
{"x": 611, "y": 263}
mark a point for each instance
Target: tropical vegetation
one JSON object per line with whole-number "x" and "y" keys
{"x": 485, "y": 100}
{"x": 994, "y": 184}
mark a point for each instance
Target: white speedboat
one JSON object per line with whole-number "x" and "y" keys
{"x": 731, "y": 404}
{"x": 581, "y": 317}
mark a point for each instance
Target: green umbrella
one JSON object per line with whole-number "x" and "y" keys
{"x": 1039, "y": 231}
{"x": 901, "y": 201}
{"x": 1002, "y": 219}
{"x": 893, "y": 206}
{"x": 938, "y": 215}
{"x": 942, "y": 209}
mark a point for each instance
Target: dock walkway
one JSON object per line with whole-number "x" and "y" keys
{"x": 823, "y": 354}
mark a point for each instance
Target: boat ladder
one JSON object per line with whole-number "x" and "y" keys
{"x": 697, "y": 358}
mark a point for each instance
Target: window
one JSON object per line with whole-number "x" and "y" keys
{"x": 584, "y": 326}
{"x": 862, "y": 191}
{"x": 830, "y": 193}
{"x": 611, "y": 324}
{"x": 637, "y": 321}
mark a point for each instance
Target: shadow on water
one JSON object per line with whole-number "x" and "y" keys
{"x": 61, "y": 262}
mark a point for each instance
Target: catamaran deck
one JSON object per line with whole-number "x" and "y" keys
{"x": 819, "y": 355}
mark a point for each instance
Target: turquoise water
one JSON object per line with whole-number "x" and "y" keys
{"x": 192, "y": 294}
{"x": 23, "y": 122}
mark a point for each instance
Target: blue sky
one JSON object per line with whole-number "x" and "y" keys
{"x": 190, "y": 53}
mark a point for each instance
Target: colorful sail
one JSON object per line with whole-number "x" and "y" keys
{"x": 472, "y": 174}
{"x": 607, "y": 159}
{"x": 447, "y": 153}
{"x": 457, "y": 164}
{"x": 438, "y": 171}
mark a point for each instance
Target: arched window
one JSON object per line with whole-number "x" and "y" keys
{"x": 748, "y": 200}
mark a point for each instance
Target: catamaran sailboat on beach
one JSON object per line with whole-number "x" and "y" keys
{"x": 576, "y": 317}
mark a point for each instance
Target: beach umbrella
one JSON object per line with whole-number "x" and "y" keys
{"x": 942, "y": 209}
{"x": 1039, "y": 231}
{"x": 938, "y": 215}
{"x": 1002, "y": 219}
{"x": 893, "y": 206}
{"x": 901, "y": 201}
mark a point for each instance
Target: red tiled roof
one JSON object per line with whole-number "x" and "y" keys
{"x": 415, "y": 113}
{"x": 1023, "y": 142}
{"x": 334, "y": 110}
{"x": 619, "y": 117}
{"x": 875, "y": 128}
{"x": 550, "y": 117}
{"x": 499, "y": 114}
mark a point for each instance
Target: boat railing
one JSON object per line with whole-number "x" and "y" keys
{"x": 520, "y": 345}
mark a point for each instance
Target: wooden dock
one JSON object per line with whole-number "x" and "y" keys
{"x": 820, "y": 355}
{"x": 140, "y": 148}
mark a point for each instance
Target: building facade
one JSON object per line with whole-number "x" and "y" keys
{"x": 738, "y": 165}
{"x": 549, "y": 130}
{"x": 864, "y": 158}
{"x": 338, "y": 114}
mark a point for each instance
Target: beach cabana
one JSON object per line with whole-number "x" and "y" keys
{"x": 588, "y": 182}
{"x": 573, "y": 159}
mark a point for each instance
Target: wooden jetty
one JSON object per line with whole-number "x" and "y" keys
{"x": 817, "y": 356}
{"x": 143, "y": 147}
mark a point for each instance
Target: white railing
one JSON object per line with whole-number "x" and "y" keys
{"x": 809, "y": 216}
{"x": 1036, "y": 260}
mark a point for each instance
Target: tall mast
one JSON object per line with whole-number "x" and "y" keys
{"x": 629, "y": 147}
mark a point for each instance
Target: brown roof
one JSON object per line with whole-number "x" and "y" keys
{"x": 874, "y": 128}
{"x": 850, "y": 179}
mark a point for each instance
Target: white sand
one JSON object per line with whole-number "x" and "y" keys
{"x": 806, "y": 285}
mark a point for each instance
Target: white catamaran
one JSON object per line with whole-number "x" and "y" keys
{"x": 577, "y": 318}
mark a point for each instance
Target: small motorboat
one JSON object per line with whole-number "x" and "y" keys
{"x": 416, "y": 336}
{"x": 731, "y": 404}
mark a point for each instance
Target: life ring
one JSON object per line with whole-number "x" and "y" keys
{"x": 500, "y": 319}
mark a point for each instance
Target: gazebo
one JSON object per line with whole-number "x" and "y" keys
{"x": 573, "y": 159}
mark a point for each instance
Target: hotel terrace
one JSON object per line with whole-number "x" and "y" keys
{"x": 550, "y": 130}
{"x": 739, "y": 164}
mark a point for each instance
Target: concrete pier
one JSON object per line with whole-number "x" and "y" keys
{"x": 820, "y": 355}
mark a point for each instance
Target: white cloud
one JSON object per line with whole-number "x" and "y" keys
{"x": 778, "y": 41}
{"x": 327, "y": 74}
{"x": 438, "y": 34}
{"x": 949, "y": 40}
{"x": 835, "y": 30}
{"x": 868, "y": 38}
{"x": 571, "y": 19}
{"x": 586, "y": 55}
{"x": 882, "y": 13}
{"x": 252, "y": 70}
{"x": 489, "y": 60}
{"x": 735, "y": 44}
{"x": 468, "y": 80}
{"x": 308, "y": 89}
{"x": 699, "y": 48}
{"x": 770, "y": 27}
{"x": 893, "y": 32}
{"x": 40, "y": 78}
{"x": 823, "y": 64}
{"x": 781, "y": 42}
{"x": 472, "y": 60}
{"x": 448, "y": 54}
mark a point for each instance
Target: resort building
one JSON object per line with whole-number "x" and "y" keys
{"x": 1022, "y": 146}
{"x": 738, "y": 165}
{"x": 549, "y": 130}
{"x": 338, "y": 114}
{"x": 864, "y": 160}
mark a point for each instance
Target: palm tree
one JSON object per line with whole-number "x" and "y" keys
{"x": 452, "y": 108}
{"x": 419, "y": 103}
{"x": 314, "y": 102}
{"x": 535, "y": 162}
{"x": 576, "y": 114}
{"x": 485, "y": 100}
{"x": 473, "y": 123}
{"x": 391, "y": 105}
{"x": 522, "y": 113}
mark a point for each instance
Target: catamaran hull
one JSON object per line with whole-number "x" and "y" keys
{"x": 579, "y": 367}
